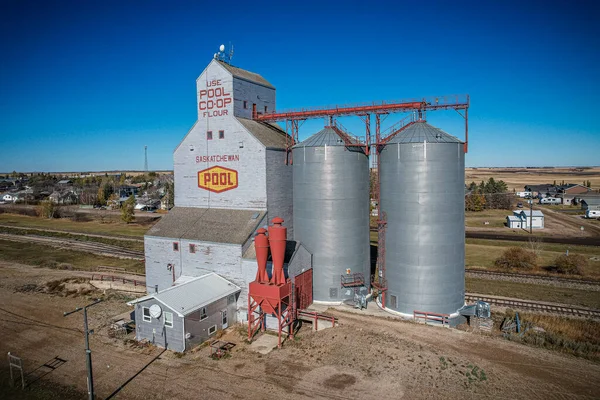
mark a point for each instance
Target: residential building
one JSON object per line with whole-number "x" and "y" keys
{"x": 188, "y": 313}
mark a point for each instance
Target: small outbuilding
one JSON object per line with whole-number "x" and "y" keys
{"x": 522, "y": 218}
{"x": 188, "y": 313}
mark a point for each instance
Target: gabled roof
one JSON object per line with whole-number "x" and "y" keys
{"x": 192, "y": 294}
{"x": 270, "y": 135}
{"x": 215, "y": 225}
{"x": 246, "y": 75}
{"x": 591, "y": 200}
{"x": 536, "y": 213}
{"x": 422, "y": 131}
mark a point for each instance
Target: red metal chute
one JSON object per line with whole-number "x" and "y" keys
{"x": 277, "y": 241}
{"x": 261, "y": 244}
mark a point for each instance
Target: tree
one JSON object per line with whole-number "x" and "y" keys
{"x": 170, "y": 195}
{"x": 100, "y": 197}
{"x": 47, "y": 209}
{"x": 475, "y": 202}
{"x": 128, "y": 210}
{"x": 472, "y": 186}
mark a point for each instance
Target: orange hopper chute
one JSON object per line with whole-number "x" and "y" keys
{"x": 261, "y": 244}
{"x": 277, "y": 240}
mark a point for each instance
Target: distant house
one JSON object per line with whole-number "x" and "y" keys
{"x": 573, "y": 188}
{"x": 63, "y": 197}
{"x": 521, "y": 219}
{"x": 65, "y": 182}
{"x": 126, "y": 191}
{"x": 184, "y": 315}
{"x": 590, "y": 203}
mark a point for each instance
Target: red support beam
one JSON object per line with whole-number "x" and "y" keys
{"x": 434, "y": 103}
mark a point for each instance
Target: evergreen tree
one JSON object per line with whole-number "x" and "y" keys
{"x": 128, "y": 210}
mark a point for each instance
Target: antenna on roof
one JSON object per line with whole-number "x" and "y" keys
{"x": 222, "y": 55}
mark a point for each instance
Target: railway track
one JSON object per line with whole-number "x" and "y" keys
{"x": 68, "y": 244}
{"x": 547, "y": 278}
{"x": 535, "y": 306}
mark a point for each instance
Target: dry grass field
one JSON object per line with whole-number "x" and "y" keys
{"x": 517, "y": 178}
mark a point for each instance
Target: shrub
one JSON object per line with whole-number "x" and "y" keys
{"x": 516, "y": 258}
{"x": 570, "y": 264}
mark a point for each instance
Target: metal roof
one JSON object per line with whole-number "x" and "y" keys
{"x": 591, "y": 200}
{"x": 193, "y": 294}
{"x": 513, "y": 218}
{"x": 246, "y": 75}
{"x": 536, "y": 213}
{"x": 270, "y": 135}
{"x": 325, "y": 137}
{"x": 422, "y": 131}
{"x": 208, "y": 224}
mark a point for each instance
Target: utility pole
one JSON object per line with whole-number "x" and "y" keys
{"x": 531, "y": 215}
{"x": 88, "y": 352}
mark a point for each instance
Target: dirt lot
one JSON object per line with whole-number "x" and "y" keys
{"x": 517, "y": 178}
{"x": 365, "y": 357}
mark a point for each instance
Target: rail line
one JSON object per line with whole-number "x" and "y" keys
{"x": 549, "y": 278}
{"x": 76, "y": 245}
{"x": 535, "y": 306}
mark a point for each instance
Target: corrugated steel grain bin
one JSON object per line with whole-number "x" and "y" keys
{"x": 422, "y": 196}
{"x": 331, "y": 211}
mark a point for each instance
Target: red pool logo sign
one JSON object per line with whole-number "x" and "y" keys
{"x": 218, "y": 179}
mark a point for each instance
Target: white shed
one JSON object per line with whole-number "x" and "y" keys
{"x": 522, "y": 218}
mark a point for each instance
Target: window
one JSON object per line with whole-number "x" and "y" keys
{"x": 209, "y": 135}
{"x": 192, "y": 248}
{"x": 265, "y": 109}
{"x": 168, "y": 319}
{"x": 146, "y": 314}
{"x": 203, "y": 314}
{"x": 231, "y": 299}
{"x": 212, "y": 330}
{"x": 221, "y": 134}
{"x": 175, "y": 246}
{"x": 245, "y": 105}
{"x": 224, "y": 317}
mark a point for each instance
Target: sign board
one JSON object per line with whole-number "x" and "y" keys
{"x": 217, "y": 179}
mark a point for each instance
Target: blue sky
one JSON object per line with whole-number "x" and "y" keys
{"x": 84, "y": 85}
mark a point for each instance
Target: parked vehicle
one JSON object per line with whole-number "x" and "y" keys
{"x": 551, "y": 200}
{"x": 592, "y": 214}
{"x": 520, "y": 205}
{"x": 524, "y": 194}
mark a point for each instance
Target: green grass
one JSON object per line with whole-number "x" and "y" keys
{"x": 127, "y": 244}
{"x": 66, "y": 225}
{"x": 530, "y": 291}
{"x": 482, "y": 253}
{"x": 46, "y": 256}
{"x": 496, "y": 218}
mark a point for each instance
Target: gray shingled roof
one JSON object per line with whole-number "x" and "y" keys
{"x": 208, "y": 224}
{"x": 325, "y": 136}
{"x": 591, "y": 201}
{"x": 246, "y": 75}
{"x": 422, "y": 131}
{"x": 270, "y": 135}
{"x": 187, "y": 297}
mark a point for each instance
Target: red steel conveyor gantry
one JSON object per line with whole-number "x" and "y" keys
{"x": 294, "y": 116}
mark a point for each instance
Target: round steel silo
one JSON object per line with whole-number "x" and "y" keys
{"x": 422, "y": 194}
{"x": 331, "y": 211}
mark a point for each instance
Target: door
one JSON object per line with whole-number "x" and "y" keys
{"x": 224, "y": 319}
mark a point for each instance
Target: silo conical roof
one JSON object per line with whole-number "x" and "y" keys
{"x": 422, "y": 131}
{"x": 325, "y": 137}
